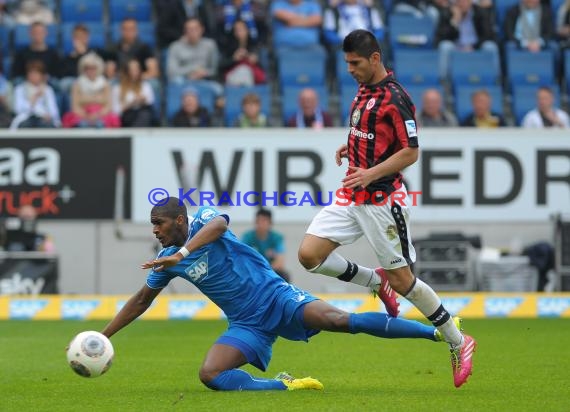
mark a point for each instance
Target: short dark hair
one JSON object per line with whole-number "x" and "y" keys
{"x": 172, "y": 209}
{"x": 265, "y": 213}
{"x": 361, "y": 42}
{"x": 546, "y": 89}
{"x": 80, "y": 27}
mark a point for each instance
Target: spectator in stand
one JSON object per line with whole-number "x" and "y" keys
{"x": 31, "y": 11}
{"x": 91, "y": 104}
{"x": 251, "y": 115}
{"x": 466, "y": 27}
{"x": 173, "y": 14}
{"x": 310, "y": 114}
{"x": 130, "y": 47}
{"x": 433, "y": 114}
{"x": 482, "y": 115}
{"x": 195, "y": 58}
{"x": 240, "y": 61}
{"x": 252, "y": 13}
{"x": 133, "y": 97}
{"x": 296, "y": 23}
{"x": 530, "y": 26}
{"x": 419, "y": 8}
{"x": 191, "y": 114}
{"x": 37, "y": 50}
{"x": 545, "y": 114}
{"x": 5, "y": 106}
{"x": 35, "y": 105}
{"x": 268, "y": 242}
{"x": 563, "y": 24}
{"x": 70, "y": 63}
{"x": 6, "y": 18}
{"x": 344, "y": 16}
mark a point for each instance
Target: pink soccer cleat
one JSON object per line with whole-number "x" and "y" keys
{"x": 387, "y": 294}
{"x": 462, "y": 362}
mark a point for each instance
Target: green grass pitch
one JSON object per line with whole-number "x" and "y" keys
{"x": 520, "y": 365}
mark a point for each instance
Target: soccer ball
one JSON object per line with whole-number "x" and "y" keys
{"x": 90, "y": 354}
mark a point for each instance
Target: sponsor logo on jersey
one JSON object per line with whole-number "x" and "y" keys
{"x": 207, "y": 215}
{"x": 360, "y": 134}
{"x": 354, "y": 119}
{"x": 348, "y": 305}
{"x": 198, "y": 269}
{"x": 411, "y": 128}
{"x": 370, "y": 103}
{"x": 26, "y": 309}
{"x": 552, "y": 306}
{"x": 184, "y": 309}
{"x": 78, "y": 309}
{"x": 501, "y": 306}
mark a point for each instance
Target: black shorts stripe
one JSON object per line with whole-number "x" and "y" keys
{"x": 398, "y": 216}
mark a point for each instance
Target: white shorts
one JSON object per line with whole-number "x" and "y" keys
{"x": 386, "y": 227}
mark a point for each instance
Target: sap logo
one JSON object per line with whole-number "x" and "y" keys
{"x": 501, "y": 306}
{"x": 26, "y": 309}
{"x": 552, "y": 306}
{"x": 78, "y": 309}
{"x": 455, "y": 305}
{"x": 40, "y": 166}
{"x": 348, "y": 305}
{"x": 198, "y": 269}
{"x": 184, "y": 309}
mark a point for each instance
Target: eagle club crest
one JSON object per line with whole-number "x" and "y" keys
{"x": 355, "y": 117}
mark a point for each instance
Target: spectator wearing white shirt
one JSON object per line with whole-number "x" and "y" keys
{"x": 545, "y": 114}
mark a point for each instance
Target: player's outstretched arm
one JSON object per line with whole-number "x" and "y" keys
{"x": 208, "y": 234}
{"x": 135, "y": 306}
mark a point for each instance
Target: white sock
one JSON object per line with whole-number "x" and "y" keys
{"x": 337, "y": 266}
{"x": 429, "y": 304}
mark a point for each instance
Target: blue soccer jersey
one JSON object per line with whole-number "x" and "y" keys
{"x": 233, "y": 275}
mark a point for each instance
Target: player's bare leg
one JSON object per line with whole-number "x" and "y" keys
{"x": 318, "y": 255}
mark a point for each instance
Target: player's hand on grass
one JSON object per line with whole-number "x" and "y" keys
{"x": 162, "y": 263}
{"x": 357, "y": 178}
{"x": 341, "y": 152}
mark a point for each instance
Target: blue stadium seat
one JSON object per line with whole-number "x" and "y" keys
{"x": 22, "y": 36}
{"x": 6, "y": 66}
{"x": 408, "y": 31}
{"x": 342, "y": 75}
{"x": 567, "y": 70}
{"x": 81, "y": 11}
{"x": 415, "y": 67}
{"x": 290, "y": 99}
{"x": 524, "y": 99}
{"x": 524, "y": 67}
{"x": 347, "y": 94}
{"x": 147, "y": 32}
{"x": 501, "y": 7}
{"x": 301, "y": 68}
{"x": 555, "y": 4}
{"x": 5, "y": 40}
{"x": 97, "y": 35}
{"x": 463, "y": 106}
{"x": 473, "y": 68}
{"x": 234, "y": 95}
{"x": 416, "y": 92}
{"x": 139, "y": 10}
{"x": 174, "y": 92}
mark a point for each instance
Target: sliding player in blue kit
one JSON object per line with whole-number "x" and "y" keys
{"x": 259, "y": 305}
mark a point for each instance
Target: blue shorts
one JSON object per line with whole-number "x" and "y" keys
{"x": 282, "y": 317}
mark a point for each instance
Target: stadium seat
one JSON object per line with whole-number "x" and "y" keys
{"x": 524, "y": 67}
{"x": 501, "y": 7}
{"x": 139, "y": 10}
{"x": 97, "y": 35}
{"x": 6, "y": 66}
{"x": 301, "y": 67}
{"x": 415, "y": 67}
{"x": 5, "y": 34}
{"x": 81, "y": 11}
{"x": 567, "y": 70}
{"x": 290, "y": 99}
{"x": 408, "y": 31}
{"x": 234, "y": 95}
{"x": 524, "y": 99}
{"x": 174, "y": 92}
{"x": 477, "y": 68}
{"x": 147, "y": 33}
{"x": 347, "y": 94}
{"x": 22, "y": 36}
{"x": 416, "y": 92}
{"x": 342, "y": 75}
{"x": 463, "y": 93}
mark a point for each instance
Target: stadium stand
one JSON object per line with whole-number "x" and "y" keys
{"x": 22, "y": 38}
{"x": 408, "y": 31}
{"x": 477, "y": 68}
{"x": 140, "y": 10}
{"x": 530, "y": 68}
{"x": 416, "y": 92}
{"x": 97, "y": 35}
{"x": 234, "y": 95}
{"x": 463, "y": 106}
{"x": 147, "y": 32}
{"x": 81, "y": 11}
{"x": 291, "y": 99}
{"x": 174, "y": 92}
{"x": 308, "y": 69}
{"x": 524, "y": 99}
{"x": 417, "y": 67}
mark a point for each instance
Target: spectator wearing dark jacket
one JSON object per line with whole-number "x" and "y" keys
{"x": 530, "y": 26}
{"x": 172, "y": 15}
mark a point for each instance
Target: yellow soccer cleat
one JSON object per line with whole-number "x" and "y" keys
{"x": 296, "y": 384}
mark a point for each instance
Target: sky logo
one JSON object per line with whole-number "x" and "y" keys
{"x": 552, "y": 306}
{"x": 184, "y": 309}
{"x": 455, "y": 305}
{"x": 26, "y": 309}
{"x": 501, "y": 307}
{"x": 348, "y": 305}
{"x": 78, "y": 309}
